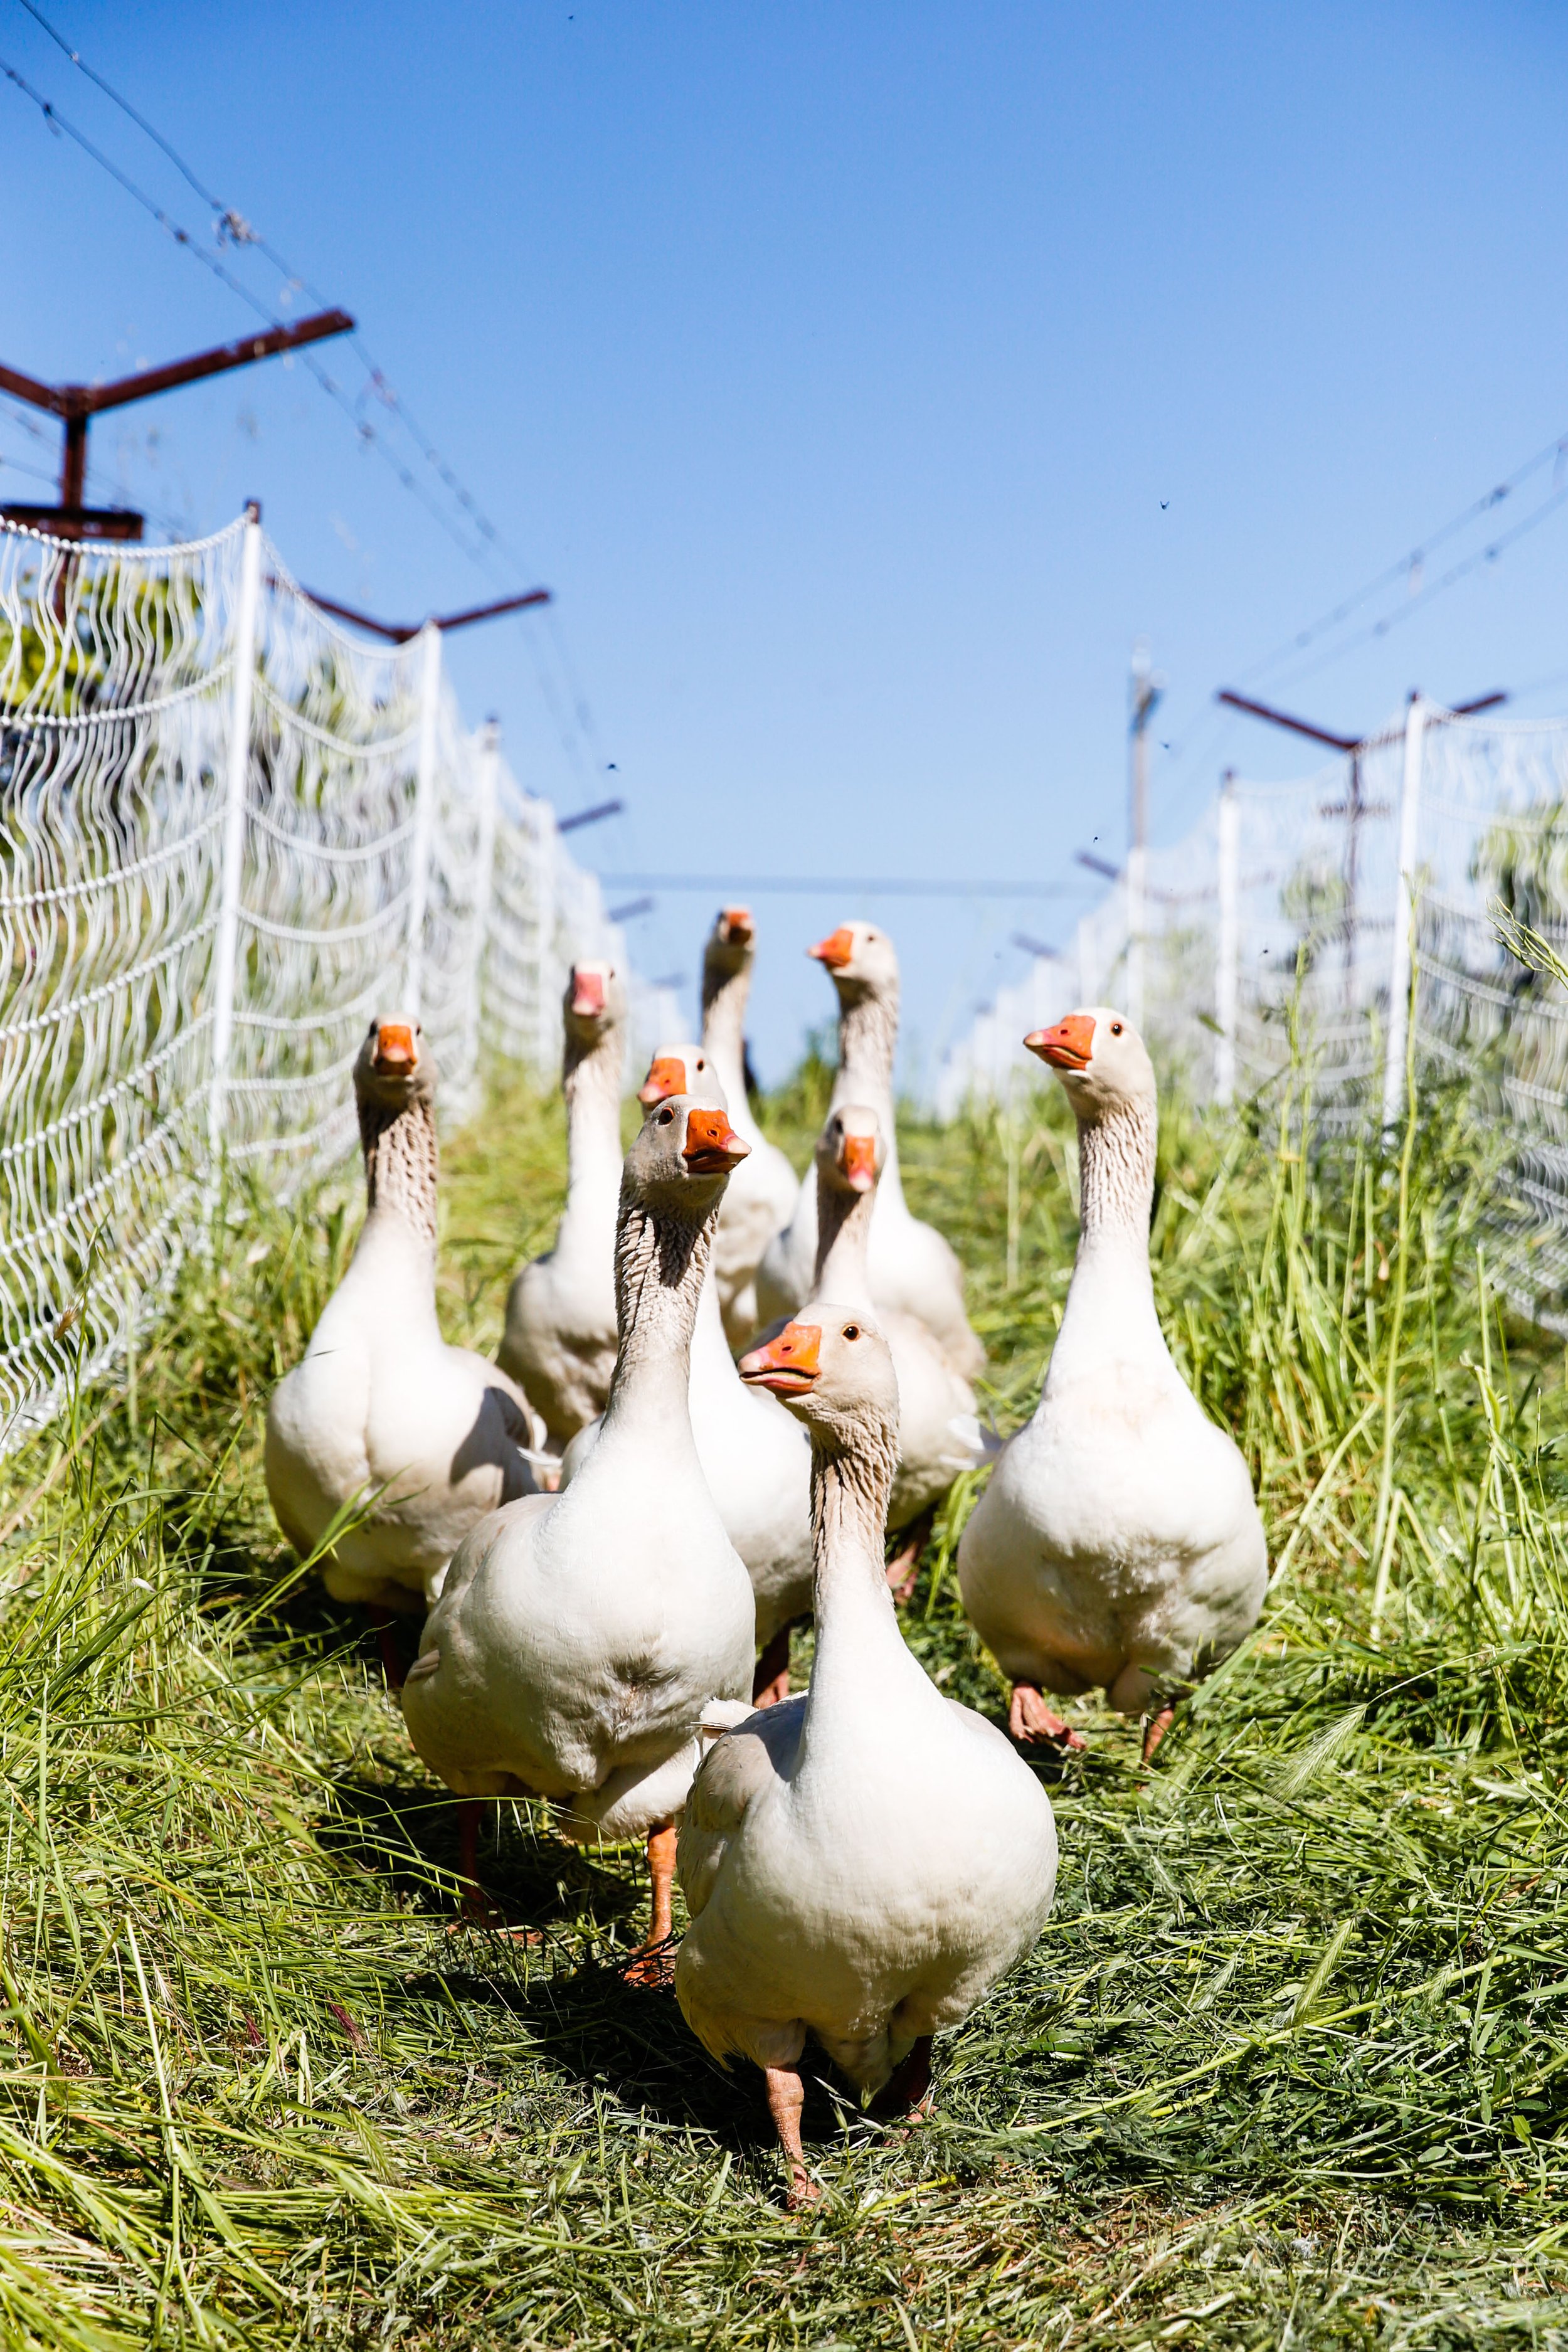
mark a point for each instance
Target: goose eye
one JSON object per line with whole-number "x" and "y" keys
{"x": 1116, "y": 1028}
{"x": 665, "y": 1117}
{"x": 851, "y": 1331}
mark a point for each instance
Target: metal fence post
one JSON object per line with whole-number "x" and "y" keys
{"x": 424, "y": 813}
{"x": 484, "y": 879}
{"x": 1136, "y": 896}
{"x": 1404, "y": 916}
{"x": 236, "y": 784}
{"x": 1228, "y": 945}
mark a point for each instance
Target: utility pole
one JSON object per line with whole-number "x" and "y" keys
{"x": 76, "y": 405}
{"x": 1144, "y": 692}
{"x": 1355, "y": 808}
{"x": 401, "y": 633}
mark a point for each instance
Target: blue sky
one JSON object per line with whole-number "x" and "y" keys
{"x": 863, "y": 380}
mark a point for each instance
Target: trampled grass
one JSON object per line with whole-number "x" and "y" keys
{"x": 1289, "y": 2065}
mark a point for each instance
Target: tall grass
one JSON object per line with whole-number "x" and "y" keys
{"x": 1288, "y": 2065}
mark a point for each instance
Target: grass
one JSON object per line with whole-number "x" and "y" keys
{"x": 1289, "y": 2065}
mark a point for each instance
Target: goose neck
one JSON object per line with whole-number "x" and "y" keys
{"x": 843, "y": 1235}
{"x": 661, "y": 1260}
{"x": 857, "y": 1630}
{"x": 724, "y": 999}
{"x": 1116, "y": 1179}
{"x": 867, "y": 1038}
{"x": 401, "y": 1165}
{"x": 1111, "y": 1302}
{"x": 590, "y": 1082}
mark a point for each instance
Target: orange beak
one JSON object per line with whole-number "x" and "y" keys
{"x": 713, "y": 1146}
{"x": 1069, "y": 1045}
{"x": 735, "y": 923}
{"x": 394, "y": 1054}
{"x": 587, "y": 992}
{"x": 858, "y": 1162}
{"x": 666, "y": 1076}
{"x": 837, "y": 949}
{"x": 788, "y": 1365}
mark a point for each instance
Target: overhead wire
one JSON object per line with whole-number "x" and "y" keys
{"x": 1410, "y": 567}
{"x": 235, "y": 229}
{"x": 1210, "y": 725}
{"x": 1423, "y": 596}
{"x": 183, "y": 237}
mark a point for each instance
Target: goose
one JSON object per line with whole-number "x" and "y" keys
{"x": 380, "y": 1406}
{"x": 1118, "y": 1543}
{"x": 865, "y": 1862}
{"x": 763, "y": 1189}
{"x": 913, "y": 1270}
{"x": 584, "y": 1639}
{"x": 755, "y": 1457}
{"x": 560, "y": 1337}
{"x": 939, "y": 1431}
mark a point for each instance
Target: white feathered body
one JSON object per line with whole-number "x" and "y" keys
{"x": 861, "y": 1863}
{"x": 757, "y": 1464}
{"x": 1118, "y": 1543}
{"x": 380, "y": 1401}
{"x": 560, "y": 1336}
{"x": 583, "y": 1638}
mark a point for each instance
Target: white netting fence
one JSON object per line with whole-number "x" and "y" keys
{"x": 229, "y": 835}
{"x": 1307, "y": 900}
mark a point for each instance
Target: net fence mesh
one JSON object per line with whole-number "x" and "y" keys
{"x": 1297, "y": 909}
{"x": 230, "y": 836}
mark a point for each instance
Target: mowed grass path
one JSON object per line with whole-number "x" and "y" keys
{"x": 1289, "y": 2065}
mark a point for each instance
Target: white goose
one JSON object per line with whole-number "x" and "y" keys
{"x": 380, "y": 1402}
{"x": 913, "y": 1270}
{"x": 864, "y": 1862}
{"x": 763, "y": 1191}
{"x": 584, "y": 1639}
{"x": 560, "y": 1336}
{"x": 1118, "y": 1543}
{"x": 939, "y": 1432}
{"x": 755, "y": 1458}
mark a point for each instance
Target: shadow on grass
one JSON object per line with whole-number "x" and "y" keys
{"x": 632, "y": 2042}
{"x": 407, "y": 1832}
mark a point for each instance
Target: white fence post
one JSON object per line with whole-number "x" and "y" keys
{"x": 236, "y": 786}
{"x": 545, "y": 842}
{"x": 424, "y": 813}
{"x": 1228, "y": 945}
{"x": 1404, "y": 916}
{"x": 484, "y": 878}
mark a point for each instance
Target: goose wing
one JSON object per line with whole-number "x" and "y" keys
{"x": 741, "y": 1764}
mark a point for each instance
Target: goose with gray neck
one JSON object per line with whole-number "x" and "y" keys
{"x": 755, "y": 1456}
{"x": 560, "y": 1336}
{"x": 585, "y": 1639}
{"x": 763, "y": 1191}
{"x": 939, "y": 1430}
{"x": 862, "y": 1863}
{"x": 912, "y": 1269}
{"x": 1118, "y": 1544}
{"x": 380, "y": 1412}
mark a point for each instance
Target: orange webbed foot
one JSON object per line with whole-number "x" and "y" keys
{"x": 1032, "y": 1723}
